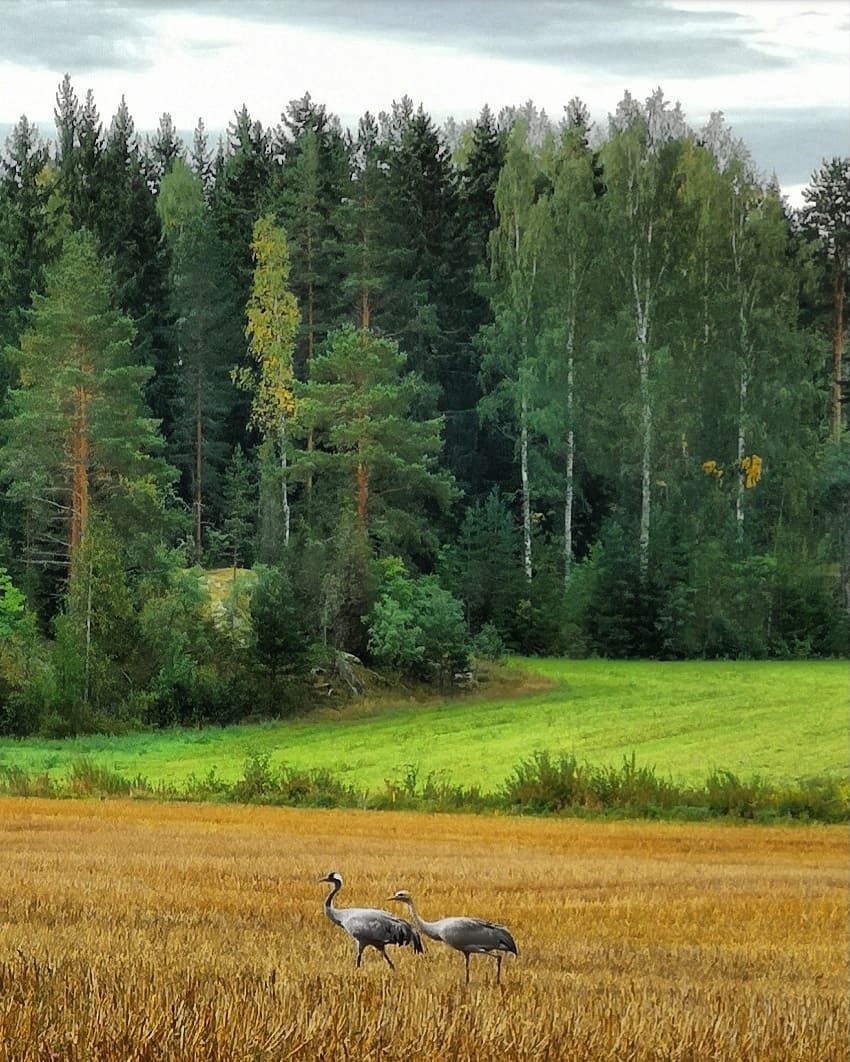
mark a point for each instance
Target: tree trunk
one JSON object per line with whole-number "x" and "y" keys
{"x": 197, "y": 486}
{"x": 642, "y": 303}
{"x": 79, "y": 477}
{"x": 837, "y": 344}
{"x": 526, "y": 497}
{"x": 742, "y": 449}
{"x": 362, "y": 494}
{"x": 284, "y": 486}
{"x": 570, "y": 484}
{"x": 646, "y": 455}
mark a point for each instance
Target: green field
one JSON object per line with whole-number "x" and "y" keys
{"x": 780, "y": 721}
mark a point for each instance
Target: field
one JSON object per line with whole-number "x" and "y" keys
{"x": 779, "y": 720}
{"x": 140, "y": 930}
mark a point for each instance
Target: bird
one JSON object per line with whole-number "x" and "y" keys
{"x": 369, "y": 927}
{"x": 470, "y": 936}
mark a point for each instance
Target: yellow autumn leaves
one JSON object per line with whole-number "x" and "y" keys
{"x": 749, "y": 466}
{"x": 272, "y": 321}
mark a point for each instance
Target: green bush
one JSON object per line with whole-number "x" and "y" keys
{"x": 416, "y": 628}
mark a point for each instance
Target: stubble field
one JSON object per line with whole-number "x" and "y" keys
{"x": 136, "y": 931}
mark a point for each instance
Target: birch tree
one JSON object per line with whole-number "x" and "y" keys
{"x": 272, "y": 324}
{"x": 639, "y": 160}
{"x": 516, "y": 247}
{"x": 574, "y": 233}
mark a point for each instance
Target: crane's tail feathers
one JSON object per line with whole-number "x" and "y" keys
{"x": 416, "y": 941}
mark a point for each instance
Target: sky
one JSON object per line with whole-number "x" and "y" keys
{"x": 779, "y": 70}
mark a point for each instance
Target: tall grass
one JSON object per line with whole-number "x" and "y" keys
{"x": 138, "y": 931}
{"x": 540, "y": 785}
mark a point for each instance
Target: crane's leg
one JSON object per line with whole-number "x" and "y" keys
{"x": 358, "y": 952}
{"x": 381, "y": 950}
{"x": 498, "y": 958}
{"x": 466, "y": 959}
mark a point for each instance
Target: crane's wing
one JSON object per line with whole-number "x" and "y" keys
{"x": 475, "y": 934}
{"x": 370, "y": 925}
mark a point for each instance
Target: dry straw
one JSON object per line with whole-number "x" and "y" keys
{"x": 142, "y": 931}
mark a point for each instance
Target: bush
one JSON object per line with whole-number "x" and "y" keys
{"x": 416, "y": 627}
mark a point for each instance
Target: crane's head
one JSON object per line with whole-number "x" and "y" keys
{"x": 402, "y": 896}
{"x": 335, "y": 878}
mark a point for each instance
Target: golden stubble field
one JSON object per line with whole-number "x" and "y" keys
{"x": 137, "y": 930}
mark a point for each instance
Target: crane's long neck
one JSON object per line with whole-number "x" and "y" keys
{"x": 330, "y": 910}
{"x": 428, "y": 928}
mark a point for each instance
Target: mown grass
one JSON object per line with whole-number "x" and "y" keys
{"x": 779, "y": 721}
{"x": 143, "y": 931}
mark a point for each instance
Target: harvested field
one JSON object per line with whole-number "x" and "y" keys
{"x": 142, "y": 931}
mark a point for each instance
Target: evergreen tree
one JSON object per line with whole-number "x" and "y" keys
{"x": 361, "y": 219}
{"x": 241, "y": 195}
{"x": 479, "y": 453}
{"x": 163, "y": 150}
{"x": 313, "y": 179}
{"x": 359, "y": 403}
{"x": 79, "y": 437}
{"x": 425, "y": 245}
{"x": 26, "y": 240}
{"x": 206, "y": 340}
{"x": 827, "y": 213}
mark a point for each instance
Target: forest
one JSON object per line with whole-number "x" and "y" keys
{"x": 412, "y": 394}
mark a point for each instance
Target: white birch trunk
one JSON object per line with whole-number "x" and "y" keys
{"x": 569, "y": 486}
{"x": 743, "y": 376}
{"x": 526, "y": 497}
{"x": 641, "y": 287}
{"x": 742, "y": 449}
{"x": 284, "y": 486}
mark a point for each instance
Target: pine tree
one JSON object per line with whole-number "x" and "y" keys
{"x": 79, "y": 436}
{"x": 383, "y": 462}
{"x": 827, "y": 213}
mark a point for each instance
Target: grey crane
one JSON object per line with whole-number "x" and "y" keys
{"x": 369, "y": 927}
{"x": 470, "y": 936}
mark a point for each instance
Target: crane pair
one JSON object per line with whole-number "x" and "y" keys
{"x": 370, "y": 927}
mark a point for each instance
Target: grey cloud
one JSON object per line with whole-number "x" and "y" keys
{"x": 623, "y": 36}
{"x": 79, "y": 36}
{"x": 792, "y": 144}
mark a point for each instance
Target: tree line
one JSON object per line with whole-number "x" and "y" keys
{"x": 423, "y": 392}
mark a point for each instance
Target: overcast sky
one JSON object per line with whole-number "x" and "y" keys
{"x": 778, "y": 69}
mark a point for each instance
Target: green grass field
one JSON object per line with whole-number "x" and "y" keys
{"x": 779, "y": 720}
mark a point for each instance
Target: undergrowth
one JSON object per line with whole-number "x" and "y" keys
{"x": 543, "y": 784}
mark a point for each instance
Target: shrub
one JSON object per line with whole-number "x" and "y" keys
{"x": 416, "y": 627}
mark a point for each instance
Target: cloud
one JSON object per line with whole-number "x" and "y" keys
{"x": 792, "y": 143}
{"x": 626, "y": 36}
{"x": 81, "y": 36}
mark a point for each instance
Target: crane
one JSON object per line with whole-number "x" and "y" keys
{"x": 368, "y": 927}
{"x": 470, "y": 936}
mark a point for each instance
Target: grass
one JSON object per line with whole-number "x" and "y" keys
{"x": 141, "y": 931}
{"x": 777, "y": 720}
